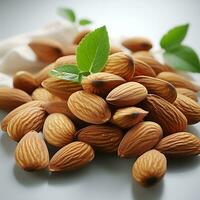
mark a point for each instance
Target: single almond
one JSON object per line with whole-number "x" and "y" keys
{"x": 70, "y": 50}
{"x": 159, "y": 87}
{"x": 149, "y": 168}
{"x": 128, "y": 117}
{"x": 120, "y": 64}
{"x": 31, "y": 152}
{"x": 139, "y": 139}
{"x": 101, "y": 137}
{"x": 143, "y": 54}
{"x": 179, "y": 144}
{"x": 115, "y": 49}
{"x": 11, "y": 98}
{"x": 187, "y": 92}
{"x": 178, "y": 81}
{"x": 170, "y": 118}
{"x": 80, "y": 36}
{"x": 30, "y": 118}
{"x": 72, "y": 156}
{"x": 101, "y": 83}
{"x": 137, "y": 44}
{"x": 89, "y": 107}
{"x": 189, "y": 107}
{"x": 58, "y": 130}
{"x": 127, "y": 94}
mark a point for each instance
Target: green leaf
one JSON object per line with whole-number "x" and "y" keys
{"x": 67, "y": 13}
{"x": 93, "y": 50}
{"x": 84, "y": 22}
{"x": 183, "y": 58}
{"x": 174, "y": 36}
{"x": 66, "y": 72}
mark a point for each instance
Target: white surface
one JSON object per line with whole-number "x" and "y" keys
{"x": 107, "y": 177}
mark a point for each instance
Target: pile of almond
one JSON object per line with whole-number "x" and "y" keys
{"x": 137, "y": 107}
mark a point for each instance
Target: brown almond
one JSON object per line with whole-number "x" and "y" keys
{"x": 101, "y": 137}
{"x": 149, "y": 168}
{"x": 30, "y": 118}
{"x": 159, "y": 87}
{"x": 137, "y": 44}
{"x": 101, "y": 83}
{"x": 179, "y": 144}
{"x": 115, "y": 49}
{"x": 72, "y": 156}
{"x": 127, "y": 94}
{"x": 128, "y": 117}
{"x": 120, "y": 64}
{"x": 188, "y": 93}
{"x": 189, "y": 107}
{"x": 31, "y": 152}
{"x": 164, "y": 113}
{"x": 142, "y": 53}
{"x": 89, "y": 107}
{"x": 70, "y": 50}
{"x": 80, "y": 36}
{"x": 58, "y": 130}
{"x": 178, "y": 81}
{"x": 139, "y": 139}
{"x": 11, "y": 98}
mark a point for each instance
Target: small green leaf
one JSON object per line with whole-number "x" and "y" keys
{"x": 84, "y": 22}
{"x": 183, "y": 58}
{"x": 66, "y": 72}
{"x": 92, "y": 52}
{"x": 67, "y": 13}
{"x": 174, "y": 36}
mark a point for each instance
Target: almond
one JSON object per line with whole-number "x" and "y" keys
{"x": 11, "y": 98}
{"x": 24, "y": 81}
{"x": 10, "y": 115}
{"x": 127, "y": 94}
{"x": 187, "y": 92}
{"x": 141, "y": 68}
{"x": 70, "y": 50}
{"x": 128, "y": 117}
{"x": 139, "y": 139}
{"x": 58, "y": 130}
{"x": 179, "y": 144}
{"x": 101, "y": 83}
{"x": 178, "y": 81}
{"x": 30, "y": 118}
{"x": 89, "y": 107}
{"x": 102, "y": 137}
{"x": 164, "y": 113}
{"x": 189, "y": 107}
{"x": 159, "y": 87}
{"x": 61, "y": 88}
{"x": 115, "y": 49}
{"x": 72, "y": 156}
{"x": 149, "y": 168}
{"x": 31, "y": 152}
{"x": 137, "y": 44}
{"x": 80, "y": 36}
{"x": 120, "y": 64}
{"x": 143, "y": 54}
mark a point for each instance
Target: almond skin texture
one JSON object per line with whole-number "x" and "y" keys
{"x": 31, "y": 152}
{"x": 178, "y": 81}
{"x": 25, "y": 81}
{"x": 149, "y": 168}
{"x": 89, "y": 107}
{"x": 139, "y": 139}
{"x": 159, "y": 87}
{"x": 72, "y": 156}
{"x": 128, "y": 117}
{"x": 179, "y": 144}
{"x": 187, "y": 92}
{"x": 137, "y": 44}
{"x": 141, "y": 68}
{"x": 58, "y": 130}
{"x": 127, "y": 94}
{"x": 115, "y": 49}
{"x": 164, "y": 113}
{"x": 11, "y": 98}
{"x": 80, "y": 36}
{"x": 31, "y": 118}
{"x": 101, "y": 83}
{"x": 61, "y": 88}
{"x": 120, "y": 64}
{"x": 189, "y": 107}
{"x": 10, "y": 115}
{"x": 101, "y": 137}
{"x": 143, "y": 54}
